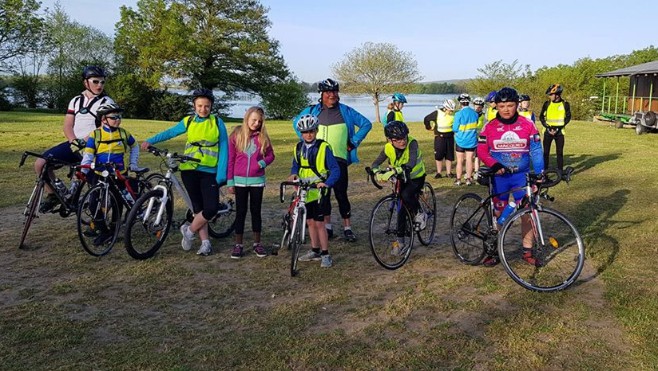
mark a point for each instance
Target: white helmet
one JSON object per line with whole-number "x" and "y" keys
{"x": 449, "y": 104}
{"x": 478, "y": 101}
{"x": 307, "y": 123}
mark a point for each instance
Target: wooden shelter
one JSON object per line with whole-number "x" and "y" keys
{"x": 641, "y": 95}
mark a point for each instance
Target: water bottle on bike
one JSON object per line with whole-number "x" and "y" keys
{"x": 507, "y": 211}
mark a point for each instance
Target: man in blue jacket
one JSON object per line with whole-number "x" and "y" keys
{"x": 344, "y": 129}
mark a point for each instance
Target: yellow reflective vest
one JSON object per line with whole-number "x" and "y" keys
{"x": 202, "y": 142}
{"x": 418, "y": 170}
{"x": 312, "y": 173}
{"x": 555, "y": 115}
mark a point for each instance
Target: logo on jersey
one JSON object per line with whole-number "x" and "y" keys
{"x": 510, "y": 141}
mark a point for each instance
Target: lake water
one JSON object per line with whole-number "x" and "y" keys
{"x": 418, "y": 105}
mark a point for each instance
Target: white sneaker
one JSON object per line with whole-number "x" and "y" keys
{"x": 327, "y": 261}
{"x": 186, "y": 242}
{"x": 205, "y": 249}
{"x": 421, "y": 220}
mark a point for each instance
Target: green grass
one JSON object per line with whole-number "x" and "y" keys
{"x": 63, "y": 309}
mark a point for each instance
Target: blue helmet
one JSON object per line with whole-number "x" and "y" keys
{"x": 399, "y": 97}
{"x": 491, "y": 96}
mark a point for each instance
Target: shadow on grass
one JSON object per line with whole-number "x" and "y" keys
{"x": 581, "y": 163}
{"x": 595, "y": 219}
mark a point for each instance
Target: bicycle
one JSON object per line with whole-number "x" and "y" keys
{"x": 383, "y": 225}
{"x": 150, "y": 220}
{"x": 295, "y": 228}
{"x": 68, "y": 197}
{"x": 101, "y": 208}
{"x": 557, "y": 247}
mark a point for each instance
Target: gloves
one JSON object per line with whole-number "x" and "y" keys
{"x": 78, "y": 144}
{"x": 382, "y": 177}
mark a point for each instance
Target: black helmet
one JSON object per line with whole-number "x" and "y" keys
{"x": 108, "y": 108}
{"x": 205, "y": 93}
{"x": 524, "y": 98}
{"x": 92, "y": 71}
{"x": 554, "y": 89}
{"x": 507, "y": 95}
{"x": 396, "y": 130}
{"x": 328, "y": 85}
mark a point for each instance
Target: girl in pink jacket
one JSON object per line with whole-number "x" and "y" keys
{"x": 249, "y": 153}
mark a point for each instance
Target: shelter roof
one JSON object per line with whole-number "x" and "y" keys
{"x": 644, "y": 68}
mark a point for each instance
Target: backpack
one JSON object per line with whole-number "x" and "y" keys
{"x": 312, "y": 155}
{"x": 82, "y": 109}
{"x": 123, "y": 137}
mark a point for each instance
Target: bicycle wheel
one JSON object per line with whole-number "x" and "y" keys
{"x": 148, "y": 224}
{"x": 31, "y": 211}
{"x": 469, "y": 228}
{"x": 427, "y": 201}
{"x": 286, "y": 224}
{"x": 152, "y": 180}
{"x": 556, "y": 246}
{"x": 223, "y": 223}
{"x": 99, "y": 220}
{"x": 383, "y": 231}
{"x": 296, "y": 240}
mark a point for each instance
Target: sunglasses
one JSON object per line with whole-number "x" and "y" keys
{"x": 97, "y": 82}
{"x": 114, "y": 118}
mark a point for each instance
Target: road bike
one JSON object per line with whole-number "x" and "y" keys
{"x": 101, "y": 209}
{"x": 68, "y": 196}
{"x": 294, "y": 224}
{"x": 383, "y": 225}
{"x": 151, "y": 218}
{"x": 557, "y": 248}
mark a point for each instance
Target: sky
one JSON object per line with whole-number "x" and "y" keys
{"x": 448, "y": 39}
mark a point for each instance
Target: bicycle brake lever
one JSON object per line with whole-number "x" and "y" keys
{"x": 22, "y": 160}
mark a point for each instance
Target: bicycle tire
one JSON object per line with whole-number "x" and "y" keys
{"x": 427, "y": 201}
{"x": 559, "y": 260}
{"x": 469, "y": 226}
{"x": 99, "y": 220}
{"x": 31, "y": 211}
{"x": 223, "y": 224}
{"x": 383, "y": 232}
{"x": 143, "y": 236}
{"x": 296, "y": 241}
{"x": 285, "y": 239}
{"x": 154, "y": 179}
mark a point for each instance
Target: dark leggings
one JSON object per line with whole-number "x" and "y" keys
{"x": 242, "y": 197}
{"x": 203, "y": 191}
{"x": 409, "y": 193}
{"x": 559, "y": 149}
{"x": 340, "y": 190}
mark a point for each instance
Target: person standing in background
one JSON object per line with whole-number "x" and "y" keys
{"x": 440, "y": 122}
{"x": 555, "y": 115}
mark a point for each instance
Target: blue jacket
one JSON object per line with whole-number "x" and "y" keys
{"x": 465, "y": 127}
{"x": 222, "y": 160}
{"x": 352, "y": 118}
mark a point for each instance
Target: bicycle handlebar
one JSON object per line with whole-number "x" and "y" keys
{"x": 174, "y": 155}
{"x": 296, "y": 183}
{"x": 49, "y": 159}
{"x": 371, "y": 175}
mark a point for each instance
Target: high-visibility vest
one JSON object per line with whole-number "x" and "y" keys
{"x": 419, "y": 168}
{"x": 202, "y": 142}
{"x": 555, "y": 115}
{"x": 444, "y": 122}
{"x": 398, "y": 116}
{"x": 312, "y": 167}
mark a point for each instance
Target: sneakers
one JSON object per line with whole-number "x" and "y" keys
{"x": 458, "y": 182}
{"x": 469, "y": 181}
{"x": 327, "y": 261}
{"x": 491, "y": 261}
{"x": 237, "y": 251}
{"x": 330, "y": 233}
{"x": 420, "y": 220}
{"x": 349, "y": 235}
{"x": 205, "y": 248}
{"x": 438, "y": 176}
{"x": 451, "y": 175}
{"x": 49, "y": 203}
{"x": 395, "y": 248}
{"x": 186, "y": 242}
{"x": 527, "y": 256}
{"x": 259, "y": 250}
{"x": 310, "y": 256}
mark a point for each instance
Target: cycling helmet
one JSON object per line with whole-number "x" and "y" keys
{"x": 307, "y": 123}
{"x": 108, "y": 108}
{"x": 491, "y": 96}
{"x": 464, "y": 98}
{"x": 396, "y": 130}
{"x": 524, "y": 98}
{"x": 554, "y": 89}
{"x": 328, "y": 85}
{"x": 205, "y": 93}
{"x": 449, "y": 104}
{"x": 93, "y": 71}
{"x": 478, "y": 101}
{"x": 399, "y": 97}
{"x": 507, "y": 95}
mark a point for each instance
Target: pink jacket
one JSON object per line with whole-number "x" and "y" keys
{"x": 247, "y": 169}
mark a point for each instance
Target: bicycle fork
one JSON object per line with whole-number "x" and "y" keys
{"x": 163, "y": 203}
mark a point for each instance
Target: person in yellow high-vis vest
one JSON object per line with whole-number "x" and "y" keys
{"x": 440, "y": 122}
{"x": 555, "y": 115}
{"x": 207, "y": 141}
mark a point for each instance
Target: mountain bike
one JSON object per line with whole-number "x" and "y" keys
{"x": 68, "y": 196}
{"x": 557, "y": 248}
{"x": 383, "y": 226}
{"x": 151, "y": 218}
{"x": 100, "y": 211}
{"x": 294, "y": 232}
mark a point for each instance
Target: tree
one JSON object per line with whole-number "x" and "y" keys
{"x": 377, "y": 69}
{"x": 220, "y": 44}
{"x": 497, "y": 75}
{"x": 285, "y": 99}
{"x": 18, "y": 22}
